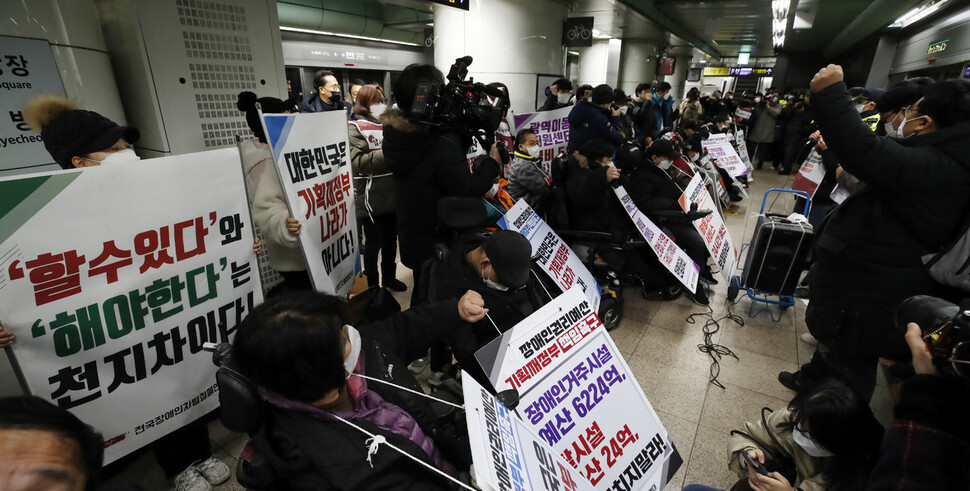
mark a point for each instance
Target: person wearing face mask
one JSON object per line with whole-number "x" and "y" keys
{"x": 557, "y": 95}
{"x": 642, "y": 113}
{"x": 78, "y": 138}
{"x": 690, "y": 108}
{"x": 625, "y": 123}
{"x": 864, "y": 102}
{"x": 375, "y": 187}
{"x": 826, "y": 439}
{"x": 763, "y": 129}
{"x": 663, "y": 106}
{"x": 583, "y": 93}
{"x": 316, "y": 375}
{"x": 498, "y": 267}
{"x": 527, "y": 180}
{"x": 868, "y": 252}
{"x": 595, "y": 120}
{"x": 327, "y": 96}
{"x": 900, "y": 95}
{"x": 497, "y": 199}
{"x": 653, "y": 189}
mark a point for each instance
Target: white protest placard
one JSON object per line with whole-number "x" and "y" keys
{"x": 551, "y": 252}
{"x": 810, "y": 174}
{"x": 578, "y": 394}
{"x": 712, "y": 229}
{"x": 672, "y": 257}
{"x": 313, "y": 163}
{"x": 724, "y": 155}
{"x": 742, "y": 113}
{"x": 743, "y": 150}
{"x": 111, "y": 310}
{"x": 506, "y": 453}
{"x": 552, "y": 129}
{"x": 719, "y": 189}
{"x": 27, "y": 70}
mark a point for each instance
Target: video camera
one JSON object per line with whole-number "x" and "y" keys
{"x": 468, "y": 108}
{"x": 946, "y": 330}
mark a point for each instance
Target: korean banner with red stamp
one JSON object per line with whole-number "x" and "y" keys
{"x": 552, "y": 130}
{"x": 507, "y": 454}
{"x": 810, "y": 174}
{"x": 712, "y": 229}
{"x": 313, "y": 161}
{"x": 578, "y": 394}
{"x": 720, "y": 149}
{"x": 113, "y": 278}
{"x": 551, "y": 253}
{"x": 671, "y": 256}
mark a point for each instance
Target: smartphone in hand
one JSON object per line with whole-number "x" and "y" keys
{"x": 754, "y": 464}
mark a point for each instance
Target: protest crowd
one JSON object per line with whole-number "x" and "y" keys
{"x": 338, "y": 402}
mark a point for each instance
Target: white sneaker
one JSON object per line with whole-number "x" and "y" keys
{"x": 807, "y": 338}
{"x": 191, "y": 479}
{"x": 214, "y": 470}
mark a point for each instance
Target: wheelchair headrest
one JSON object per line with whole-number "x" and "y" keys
{"x": 462, "y": 213}
{"x": 242, "y": 406}
{"x": 628, "y": 156}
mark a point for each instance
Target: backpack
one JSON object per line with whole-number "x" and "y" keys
{"x": 951, "y": 264}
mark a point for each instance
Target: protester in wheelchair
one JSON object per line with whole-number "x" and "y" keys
{"x": 325, "y": 418}
{"x": 498, "y": 267}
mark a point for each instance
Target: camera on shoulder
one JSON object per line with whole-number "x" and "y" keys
{"x": 946, "y": 331}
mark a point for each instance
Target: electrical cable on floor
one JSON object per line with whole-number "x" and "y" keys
{"x": 716, "y": 351}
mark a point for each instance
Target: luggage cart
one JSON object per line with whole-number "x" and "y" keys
{"x": 750, "y": 283}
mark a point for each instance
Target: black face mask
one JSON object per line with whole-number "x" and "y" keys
{"x": 335, "y": 97}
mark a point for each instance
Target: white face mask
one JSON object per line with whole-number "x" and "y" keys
{"x": 492, "y": 191}
{"x": 564, "y": 97}
{"x": 899, "y": 130}
{"x": 623, "y": 109}
{"x": 350, "y": 363}
{"x": 804, "y": 440}
{"x": 695, "y": 157}
{"x": 492, "y": 284}
{"x": 890, "y": 131}
{"x": 665, "y": 164}
{"x": 533, "y": 151}
{"x": 859, "y": 107}
{"x": 377, "y": 109}
{"x": 120, "y": 157}
{"x": 757, "y": 100}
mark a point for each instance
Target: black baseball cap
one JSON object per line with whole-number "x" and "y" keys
{"x": 511, "y": 256}
{"x": 663, "y": 148}
{"x": 602, "y": 94}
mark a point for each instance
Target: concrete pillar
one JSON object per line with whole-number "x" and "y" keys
{"x": 593, "y": 63}
{"x": 510, "y": 41}
{"x": 638, "y": 64}
{"x": 614, "y": 46}
{"x": 677, "y": 80}
{"x": 882, "y": 62}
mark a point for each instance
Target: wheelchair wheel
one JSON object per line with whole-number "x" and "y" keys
{"x": 734, "y": 288}
{"x": 611, "y": 312}
{"x": 671, "y": 292}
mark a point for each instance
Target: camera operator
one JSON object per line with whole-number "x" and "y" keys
{"x": 868, "y": 251}
{"x": 305, "y": 360}
{"x": 927, "y": 446}
{"x": 498, "y": 267}
{"x": 598, "y": 119}
{"x": 428, "y": 163}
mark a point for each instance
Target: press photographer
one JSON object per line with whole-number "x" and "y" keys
{"x": 425, "y": 142}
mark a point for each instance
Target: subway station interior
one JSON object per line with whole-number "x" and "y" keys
{"x": 174, "y": 69}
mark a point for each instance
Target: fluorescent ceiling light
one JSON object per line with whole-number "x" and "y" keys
{"x": 349, "y": 36}
{"x": 918, "y": 13}
{"x": 743, "y": 58}
{"x": 574, "y": 53}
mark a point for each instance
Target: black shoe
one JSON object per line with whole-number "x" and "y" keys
{"x": 708, "y": 277}
{"x": 784, "y": 172}
{"x": 789, "y": 380}
{"x": 395, "y": 285}
{"x": 701, "y": 296}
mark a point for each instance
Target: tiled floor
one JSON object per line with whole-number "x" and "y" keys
{"x": 662, "y": 350}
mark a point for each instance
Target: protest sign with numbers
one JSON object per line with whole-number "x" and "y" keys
{"x": 712, "y": 229}
{"x": 810, "y": 174}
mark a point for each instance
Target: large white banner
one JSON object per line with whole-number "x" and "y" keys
{"x": 671, "y": 256}
{"x": 725, "y": 156}
{"x": 27, "y": 70}
{"x": 551, "y": 252}
{"x": 810, "y": 174}
{"x": 578, "y": 394}
{"x": 313, "y": 161}
{"x": 506, "y": 453}
{"x": 715, "y": 233}
{"x": 113, "y": 277}
{"x": 552, "y": 129}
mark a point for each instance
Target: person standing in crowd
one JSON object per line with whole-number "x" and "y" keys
{"x": 594, "y": 120}
{"x": 327, "y": 97}
{"x": 690, "y": 108}
{"x": 827, "y": 435}
{"x": 663, "y": 107}
{"x": 266, "y": 199}
{"x": 868, "y": 253}
{"x": 763, "y": 132}
{"x": 527, "y": 180}
{"x": 427, "y": 165}
{"x": 45, "y": 447}
{"x": 375, "y": 188}
{"x": 77, "y": 138}
{"x": 864, "y": 100}
{"x": 800, "y": 125}
{"x": 622, "y": 102}
{"x": 900, "y": 95}
{"x": 643, "y": 116}
{"x": 557, "y": 95}
{"x": 583, "y": 93}
{"x": 354, "y": 90}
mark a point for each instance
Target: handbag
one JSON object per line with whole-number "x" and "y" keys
{"x": 783, "y": 464}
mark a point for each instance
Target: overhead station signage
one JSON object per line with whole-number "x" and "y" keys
{"x": 717, "y": 71}
{"x": 937, "y": 47}
{"x": 458, "y": 4}
{"x": 757, "y": 71}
